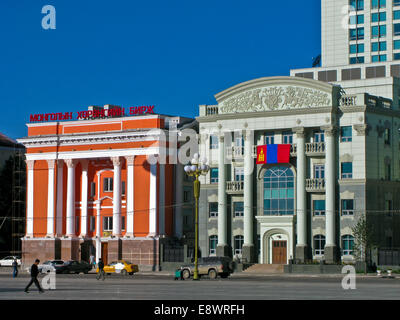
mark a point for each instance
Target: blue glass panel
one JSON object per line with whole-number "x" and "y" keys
{"x": 290, "y": 193}
{"x": 267, "y": 194}
{"x": 275, "y": 194}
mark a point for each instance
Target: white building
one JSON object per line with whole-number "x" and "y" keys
{"x": 344, "y": 162}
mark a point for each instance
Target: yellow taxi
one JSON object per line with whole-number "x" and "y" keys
{"x": 121, "y": 266}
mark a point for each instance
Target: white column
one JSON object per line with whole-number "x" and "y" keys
{"x": 50, "y": 199}
{"x": 153, "y": 201}
{"x": 222, "y": 212}
{"x": 330, "y": 191}
{"x": 29, "y": 206}
{"x": 301, "y": 203}
{"x": 70, "y": 198}
{"x": 130, "y": 196}
{"x": 117, "y": 197}
{"x": 60, "y": 195}
{"x": 248, "y": 189}
{"x": 161, "y": 210}
{"x": 178, "y": 200}
{"x": 84, "y": 193}
{"x": 98, "y": 231}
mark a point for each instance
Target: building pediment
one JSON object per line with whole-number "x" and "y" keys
{"x": 276, "y": 93}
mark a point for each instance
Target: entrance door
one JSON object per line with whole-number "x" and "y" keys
{"x": 279, "y": 251}
{"x": 104, "y": 252}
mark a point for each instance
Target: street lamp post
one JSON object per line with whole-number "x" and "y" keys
{"x": 195, "y": 170}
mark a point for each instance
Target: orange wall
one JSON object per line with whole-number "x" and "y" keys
{"x": 40, "y": 181}
{"x": 142, "y": 196}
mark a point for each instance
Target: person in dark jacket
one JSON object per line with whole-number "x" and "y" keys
{"x": 34, "y": 274}
{"x": 15, "y": 268}
{"x": 100, "y": 273}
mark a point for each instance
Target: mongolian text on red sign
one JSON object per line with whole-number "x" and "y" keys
{"x": 91, "y": 114}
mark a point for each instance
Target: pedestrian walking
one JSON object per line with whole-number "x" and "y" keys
{"x": 15, "y": 268}
{"x": 92, "y": 260}
{"x": 34, "y": 274}
{"x": 100, "y": 273}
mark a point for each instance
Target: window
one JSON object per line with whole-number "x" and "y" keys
{"x": 396, "y": 29}
{"x": 388, "y": 171}
{"x": 319, "y": 244}
{"x": 279, "y": 191}
{"x": 351, "y": 74}
{"x": 379, "y": 58}
{"x": 319, "y": 207}
{"x": 357, "y": 4}
{"x": 107, "y": 223}
{"x": 396, "y": 2}
{"x": 386, "y": 136}
{"x": 319, "y": 136}
{"x": 346, "y": 134}
{"x": 378, "y": 17}
{"x": 213, "y": 210}
{"x": 375, "y": 72}
{"x": 238, "y": 209}
{"x": 213, "y": 241}
{"x": 123, "y": 223}
{"x": 396, "y": 44}
{"x": 396, "y": 15}
{"x": 319, "y": 171}
{"x": 239, "y": 174}
{"x": 347, "y": 207}
{"x": 93, "y": 189}
{"x": 357, "y": 60}
{"x": 347, "y": 245}
{"x": 238, "y": 244}
{"x": 269, "y": 138}
{"x": 187, "y": 195}
{"x": 287, "y": 137}
{"x": 359, "y": 19}
{"x": 107, "y": 184}
{"x": 357, "y": 48}
{"x": 214, "y": 175}
{"x": 347, "y": 170}
{"x": 375, "y": 4}
{"x": 378, "y": 31}
{"x": 357, "y": 34}
{"x": 92, "y": 223}
{"x": 213, "y": 142}
{"x": 123, "y": 188}
{"x": 378, "y": 46}
{"x": 396, "y": 56}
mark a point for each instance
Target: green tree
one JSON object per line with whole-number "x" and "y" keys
{"x": 363, "y": 240}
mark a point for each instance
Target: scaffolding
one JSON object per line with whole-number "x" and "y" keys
{"x": 18, "y": 200}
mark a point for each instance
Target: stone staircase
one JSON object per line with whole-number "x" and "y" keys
{"x": 265, "y": 269}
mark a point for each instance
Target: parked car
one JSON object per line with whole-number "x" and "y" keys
{"x": 121, "y": 266}
{"x": 73, "y": 266}
{"x": 7, "y": 261}
{"x": 211, "y": 266}
{"x": 51, "y": 265}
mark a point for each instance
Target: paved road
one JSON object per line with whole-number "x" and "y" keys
{"x": 238, "y": 287}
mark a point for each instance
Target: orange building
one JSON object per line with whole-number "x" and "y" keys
{"x": 91, "y": 189}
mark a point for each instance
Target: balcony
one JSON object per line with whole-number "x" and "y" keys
{"x": 315, "y": 149}
{"x": 234, "y": 187}
{"x": 238, "y": 152}
{"x": 315, "y": 185}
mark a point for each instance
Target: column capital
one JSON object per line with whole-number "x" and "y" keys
{"x": 30, "y": 164}
{"x": 299, "y": 131}
{"x": 84, "y": 164}
{"x": 362, "y": 129}
{"x": 221, "y": 137}
{"x": 330, "y": 131}
{"x": 116, "y": 161}
{"x": 51, "y": 163}
{"x": 130, "y": 160}
{"x": 70, "y": 163}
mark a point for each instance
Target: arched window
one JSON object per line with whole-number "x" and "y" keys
{"x": 238, "y": 244}
{"x": 347, "y": 244}
{"x": 319, "y": 244}
{"x": 213, "y": 245}
{"x": 279, "y": 191}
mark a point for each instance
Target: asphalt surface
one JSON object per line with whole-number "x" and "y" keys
{"x": 161, "y": 286}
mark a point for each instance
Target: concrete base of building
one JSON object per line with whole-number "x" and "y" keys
{"x": 70, "y": 249}
{"x": 248, "y": 255}
{"x": 143, "y": 252}
{"x": 301, "y": 253}
{"x": 224, "y": 251}
{"x": 40, "y": 248}
{"x": 331, "y": 254}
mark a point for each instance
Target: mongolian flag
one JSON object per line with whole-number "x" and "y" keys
{"x": 273, "y": 153}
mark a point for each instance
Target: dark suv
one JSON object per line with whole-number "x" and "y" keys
{"x": 211, "y": 266}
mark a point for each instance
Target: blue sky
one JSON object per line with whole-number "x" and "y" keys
{"x": 173, "y": 54}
